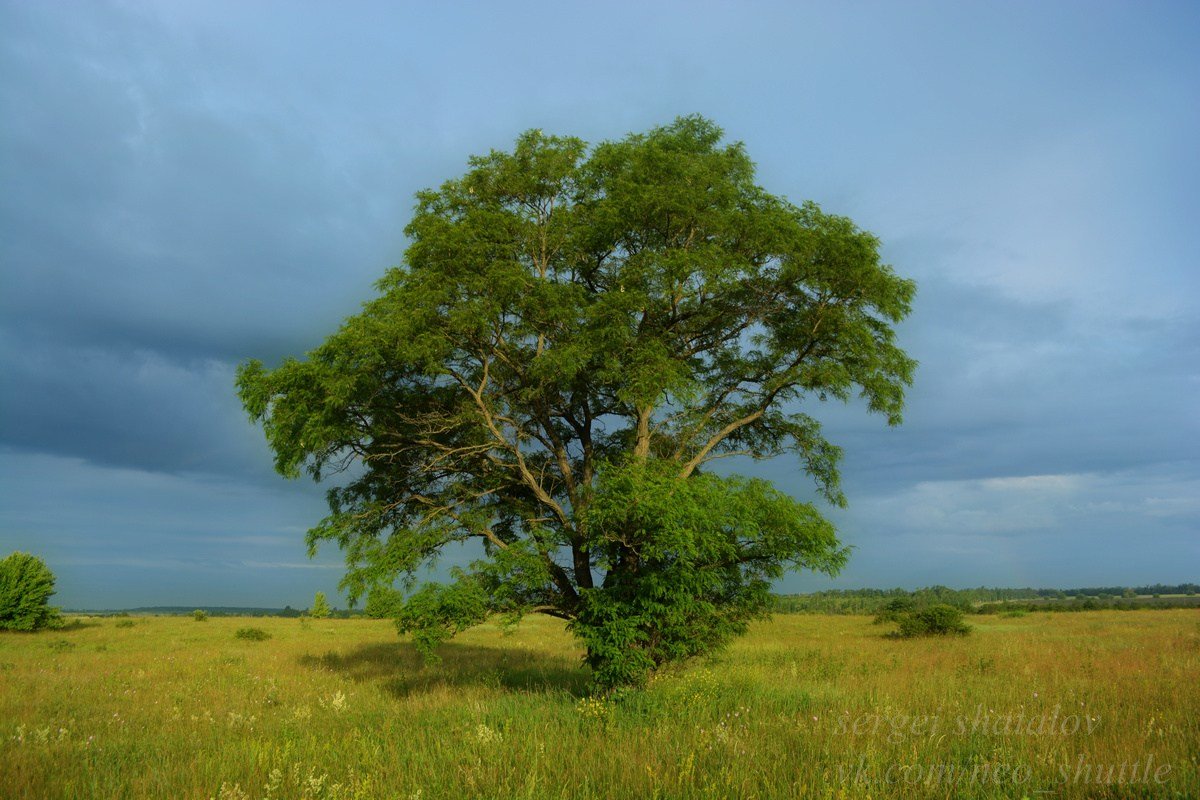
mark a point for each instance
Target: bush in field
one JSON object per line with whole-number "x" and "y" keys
{"x": 320, "y": 608}
{"x": 936, "y": 620}
{"x": 26, "y": 584}
{"x": 252, "y": 634}
{"x": 200, "y": 615}
{"x": 895, "y": 610}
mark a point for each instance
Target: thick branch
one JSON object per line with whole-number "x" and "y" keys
{"x": 642, "y": 448}
{"x": 523, "y": 470}
{"x": 719, "y": 437}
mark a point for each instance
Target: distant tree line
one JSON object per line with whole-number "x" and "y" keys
{"x": 383, "y": 602}
{"x": 1117, "y": 591}
{"x": 985, "y": 598}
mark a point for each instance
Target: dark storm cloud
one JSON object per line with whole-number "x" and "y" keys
{"x": 125, "y": 408}
{"x": 153, "y": 234}
{"x": 1007, "y": 389}
{"x": 142, "y": 211}
{"x": 190, "y": 185}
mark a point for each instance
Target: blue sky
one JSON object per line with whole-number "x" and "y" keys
{"x": 187, "y": 185}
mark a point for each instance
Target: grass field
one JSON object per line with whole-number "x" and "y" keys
{"x": 1094, "y": 704}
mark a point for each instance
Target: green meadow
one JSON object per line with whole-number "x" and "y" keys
{"x": 1087, "y": 705}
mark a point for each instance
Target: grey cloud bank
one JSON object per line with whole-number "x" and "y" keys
{"x": 187, "y": 186}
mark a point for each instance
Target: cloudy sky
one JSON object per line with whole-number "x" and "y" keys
{"x": 187, "y": 185}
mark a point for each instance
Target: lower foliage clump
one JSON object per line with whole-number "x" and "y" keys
{"x": 688, "y": 564}
{"x": 935, "y": 620}
{"x": 252, "y": 634}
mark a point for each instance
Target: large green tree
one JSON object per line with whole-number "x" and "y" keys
{"x": 574, "y": 336}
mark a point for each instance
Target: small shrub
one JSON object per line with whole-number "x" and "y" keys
{"x": 125, "y": 623}
{"x": 895, "y": 610}
{"x": 936, "y": 620}
{"x": 26, "y": 584}
{"x": 320, "y": 607}
{"x": 252, "y": 634}
{"x": 200, "y": 615}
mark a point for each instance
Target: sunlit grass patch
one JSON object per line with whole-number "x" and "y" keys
{"x": 804, "y": 706}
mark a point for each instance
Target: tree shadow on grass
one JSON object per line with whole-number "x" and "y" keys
{"x": 77, "y": 624}
{"x": 401, "y": 670}
{"x": 65, "y": 626}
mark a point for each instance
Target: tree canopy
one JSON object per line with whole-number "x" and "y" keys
{"x": 574, "y": 336}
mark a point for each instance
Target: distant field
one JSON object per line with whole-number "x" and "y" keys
{"x": 1092, "y": 704}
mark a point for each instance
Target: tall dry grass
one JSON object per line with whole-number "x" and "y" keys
{"x": 1100, "y": 704}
